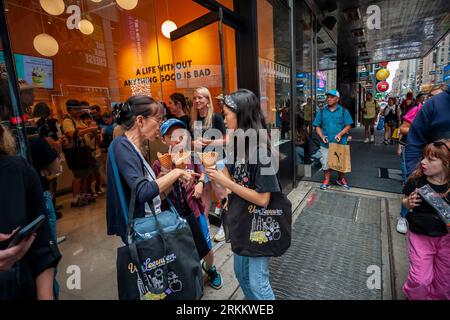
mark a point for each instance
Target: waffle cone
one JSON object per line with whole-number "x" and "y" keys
{"x": 181, "y": 159}
{"x": 165, "y": 159}
{"x": 209, "y": 159}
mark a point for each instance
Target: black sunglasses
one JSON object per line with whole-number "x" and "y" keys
{"x": 440, "y": 144}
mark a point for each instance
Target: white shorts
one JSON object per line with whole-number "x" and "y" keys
{"x": 324, "y": 158}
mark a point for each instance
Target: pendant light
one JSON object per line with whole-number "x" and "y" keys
{"x": 168, "y": 26}
{"x": 85, "y": 26}
{"x": 53, "y": 7}
{"x": 127, "y": 4}
{"x": 46, "y": 45}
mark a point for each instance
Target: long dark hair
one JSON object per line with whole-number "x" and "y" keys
{"x": 135, "y": 106}
{"x": 249, "y": 116}
{"x": 180, "y": 98}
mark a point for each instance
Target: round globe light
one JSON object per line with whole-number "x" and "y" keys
{"x": 127, "y": 4}
{"x": 86, "y": 27}
{"x": 53, "y": 7}
{"x": 46, "y": 45}
{"x": 167, "y": 27}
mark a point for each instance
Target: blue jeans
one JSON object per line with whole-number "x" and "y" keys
{"x": 253, "y": 276}
{"x": 52, "y": 222}
{"x": 404, "y": 211}
{"x": 300, "y": 151}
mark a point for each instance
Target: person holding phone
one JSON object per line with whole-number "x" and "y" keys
{"x": 26, "y": 269}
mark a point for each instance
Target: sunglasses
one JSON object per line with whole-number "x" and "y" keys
{"x": 440, "y": 144}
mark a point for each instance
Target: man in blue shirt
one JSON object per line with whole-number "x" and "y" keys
{"x": 332, "y": 125}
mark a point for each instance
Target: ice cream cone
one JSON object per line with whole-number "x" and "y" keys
{"x": 165, "y": 159}
{"x": 181, "y": 159}
{"x": 209, "y": 159}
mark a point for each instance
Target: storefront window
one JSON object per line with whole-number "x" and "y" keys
{"x": 326, "y": 64}
{"x": 102, "y": 53}
{"x": 274, "y": 44}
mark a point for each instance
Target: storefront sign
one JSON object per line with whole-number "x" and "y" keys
{"x": 181, "y": 70}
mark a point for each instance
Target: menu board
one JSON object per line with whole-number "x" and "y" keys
{"x": 34, "y": 70}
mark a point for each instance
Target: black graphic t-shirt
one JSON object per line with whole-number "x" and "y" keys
{"x": 259, "y": 177}
{"x": 424, "y": 219}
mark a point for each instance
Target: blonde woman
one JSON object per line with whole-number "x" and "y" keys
{"x": 203, "y": 118}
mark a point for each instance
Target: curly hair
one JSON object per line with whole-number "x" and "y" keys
{"x": 7, "y": 142}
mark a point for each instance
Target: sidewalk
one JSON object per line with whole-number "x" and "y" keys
{"x": 328, "y": 260}
{"x": 331, "y": 261}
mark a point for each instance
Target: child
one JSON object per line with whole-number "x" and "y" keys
{"x": 193, "y": 194}
{"x": 428, "y": 236}
{"x": 251, "y": 182}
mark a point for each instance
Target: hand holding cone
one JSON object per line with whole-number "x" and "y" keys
{"x": 209, "y": 159}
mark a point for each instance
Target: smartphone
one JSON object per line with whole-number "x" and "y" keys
{"x": 26, "y": 231}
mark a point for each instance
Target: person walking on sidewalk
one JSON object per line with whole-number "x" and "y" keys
{"x": 391, "y": 120}
{"x": 428, "y": 236}
{"x": 370, "y": 111}
{"x": 332, "y": 125}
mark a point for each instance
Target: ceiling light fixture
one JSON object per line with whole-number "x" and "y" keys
{"x": 167, "y": 27}
{"x": 53, "y": 7}
{"x": 127, "y": 4}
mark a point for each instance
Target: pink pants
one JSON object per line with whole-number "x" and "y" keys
{"x": 429, "y": 268}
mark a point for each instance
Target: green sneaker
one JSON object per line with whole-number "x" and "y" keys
{"x": 214, "y": 277}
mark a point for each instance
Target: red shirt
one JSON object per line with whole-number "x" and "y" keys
{"x": 195, "y": 204}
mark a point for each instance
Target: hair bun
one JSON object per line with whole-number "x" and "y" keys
{"x": 122, "y": 113}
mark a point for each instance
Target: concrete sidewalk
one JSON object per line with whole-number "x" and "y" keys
{"x": 335, "y": 264}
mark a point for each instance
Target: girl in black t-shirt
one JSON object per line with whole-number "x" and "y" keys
{"x": 428, "y": 236}
{"x": 251, "y": 180}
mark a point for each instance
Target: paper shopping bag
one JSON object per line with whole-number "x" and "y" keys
{"x": 339, "y": 158}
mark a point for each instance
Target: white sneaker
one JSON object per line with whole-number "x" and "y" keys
{"x": 367, "y": 140}
{"x": 372, "y": 139}
{"x": 220, "y": 235}
{"x": 402, "y": 225}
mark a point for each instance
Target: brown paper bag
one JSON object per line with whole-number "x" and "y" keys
{"x": 339, "y": 158}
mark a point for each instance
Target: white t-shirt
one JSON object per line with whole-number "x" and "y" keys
{"x": 151, "y": 176}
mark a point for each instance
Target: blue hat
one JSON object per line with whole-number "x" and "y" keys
{"x": 170, "y": 123}
{"x": 333, "y": 92}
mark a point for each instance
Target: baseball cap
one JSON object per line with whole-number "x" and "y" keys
{"x": 333, "y": 92}
{"x": 170, "y": 123}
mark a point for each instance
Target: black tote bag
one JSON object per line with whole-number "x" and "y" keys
{"x": 164, "y": 266}
{"x": 257, "y": 231}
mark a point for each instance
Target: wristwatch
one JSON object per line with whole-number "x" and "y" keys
{"x": 202, "y": 181}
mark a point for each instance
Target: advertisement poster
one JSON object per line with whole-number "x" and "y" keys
{"x": 36, "y": 71}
